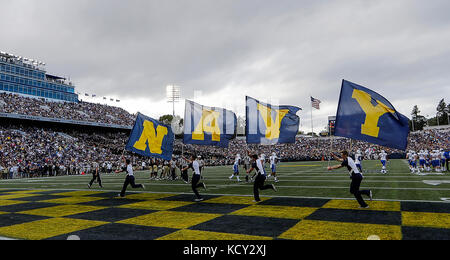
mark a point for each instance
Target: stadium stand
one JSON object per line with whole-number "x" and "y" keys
{"x": 30, "y": 148}
{"x": 82, "y": 111}
{"x": 313, "y": 149}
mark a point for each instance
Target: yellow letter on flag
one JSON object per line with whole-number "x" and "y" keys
{"x": 154, "y": 138}
{"x": 272, "y": 128}
{"x": 373, "y": 113}
{"x": 209, "y": 123}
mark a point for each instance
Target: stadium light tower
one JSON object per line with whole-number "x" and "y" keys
{"x": 173, "y": 96}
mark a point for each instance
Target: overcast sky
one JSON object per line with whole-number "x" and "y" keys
{"x": 218, "y": 51}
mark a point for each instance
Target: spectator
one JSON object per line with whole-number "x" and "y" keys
{"x": 27, "y": 151}
{"x": 82, "y": 111}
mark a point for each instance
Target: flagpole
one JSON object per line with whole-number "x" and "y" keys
{"x": 331, "y": 143}
{"x": 124, "y": 148}
{"x": 312, "y": 123}
{"x": 331, "y": 151}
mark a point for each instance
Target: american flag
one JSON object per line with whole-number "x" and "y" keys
{"x": 315, "y": 103}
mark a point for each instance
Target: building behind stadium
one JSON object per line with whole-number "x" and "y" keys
{"x": 28, "y": 77}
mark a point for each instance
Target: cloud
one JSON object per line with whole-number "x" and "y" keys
{"x": 281, "y": 51}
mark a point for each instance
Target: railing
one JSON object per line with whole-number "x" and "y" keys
{"x": 63, "y": 121}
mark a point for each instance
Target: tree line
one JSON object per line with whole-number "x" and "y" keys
{"x": 441, "y": 117}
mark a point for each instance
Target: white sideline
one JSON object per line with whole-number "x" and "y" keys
{"x": 238, "y": 185}
{"x": 5, "y": 239}
{"x": 282, "y": 179}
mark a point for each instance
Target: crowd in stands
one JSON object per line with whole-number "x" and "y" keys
{"x": 27, "y": 151}
{"x": 35, "y": 152}
{"x": 82, "y": 111}
{"x": 429, "y": 139}
{"x": 313, "y": 149}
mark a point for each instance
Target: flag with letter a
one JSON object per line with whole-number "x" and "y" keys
{"x": 367, "y": 116}
{"x": 151, "y": 138}
{"x": 208, "y": 125}
{"x": 268, "y": 125}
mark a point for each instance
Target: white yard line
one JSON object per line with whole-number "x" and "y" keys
{"x": 281, "y": 176}
{"x": 246, "y": 195}
{"x": 225, "y": 178}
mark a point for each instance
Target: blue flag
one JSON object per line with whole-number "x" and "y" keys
{"x": 367, "y": 116}
{"x": 268, "y": 125}
{"x": 208, "y": 125}
{"x": 150, "y": 138}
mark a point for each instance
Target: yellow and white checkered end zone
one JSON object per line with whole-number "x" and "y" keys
{"x": 96, "y": 215}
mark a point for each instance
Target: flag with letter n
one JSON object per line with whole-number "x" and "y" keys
{"x": 268, "y": 125}
{"x": 150, "y": 138}
{"x": 367, "y": 116}
{"x": 208, "y": 125}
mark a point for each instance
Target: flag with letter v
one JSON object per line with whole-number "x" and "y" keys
{"x": 208, "y": 125}
{"x": 367, "y": 116}
{"x": 268, "y": 125}
{"x": 151, "y": 138}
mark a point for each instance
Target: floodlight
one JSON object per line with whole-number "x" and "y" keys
{"x": 173, "y": 95}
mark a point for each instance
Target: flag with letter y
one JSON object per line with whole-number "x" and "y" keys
{"x": 367, "y": 116}
{"x": 268, "y": 125}
{"x": 208, "y": 125}
{"x": 151, "y": 138}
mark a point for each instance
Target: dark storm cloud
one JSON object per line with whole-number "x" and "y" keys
{"x": 286, "y": 50}
{"x": 155, "y": 42}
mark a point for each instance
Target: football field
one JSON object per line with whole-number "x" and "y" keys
{"x": 311, "y": 203}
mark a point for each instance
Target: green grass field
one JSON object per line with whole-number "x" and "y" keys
{"x": 311, "y": 204}
{"x": 302, "y": 179}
